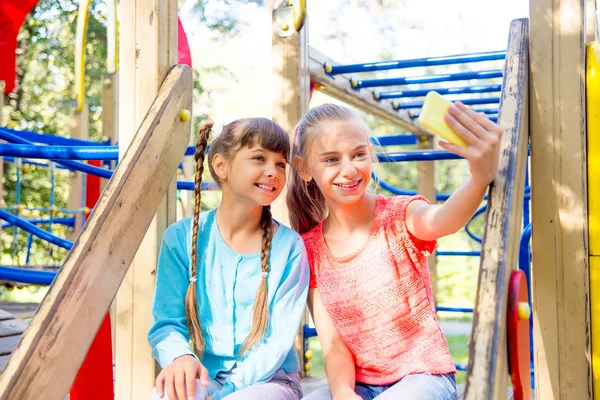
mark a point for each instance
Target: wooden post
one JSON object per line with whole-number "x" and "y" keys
{"x": 110, "y": 132}
{"x": 110, "y": 110}
{"x": 291, "y": 95}
{"x": 426, "y": 180}
{"x": 487, "y": 371}
{"x": 147, "y": 49}
{"x": 560, "y": 270}
{"x": 55, "y": 343}
{"x": 78, "y": 128}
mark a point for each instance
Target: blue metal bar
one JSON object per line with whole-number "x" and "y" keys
{"x": 454, "y": 309}
{"x": 31, "y": 276}
{"x": 31, "y": 228}
{"x": 59, "y": 153}
{"x": 46, "y": 138}
{"x": 473, "y": 236}
{"x": 60, "y": 221}
{"x": 469, "y": 102}
{"x": 308, "y": 331}
{"x": 459, "y": 253}
{"x": 396, "y": 94}
{"x": 75, "y": 165}
{"x": 187, "y": 185}
{"x": 410, "y": 80}
{"x": 489, "y": 111}
{"x": 417, "y": 155}
{"x": 394, "y": 140}
{"x": 460, "y": 367}
{"x": 419, "y": 62}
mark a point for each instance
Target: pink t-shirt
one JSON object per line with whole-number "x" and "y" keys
{"x": 380, "y": 298}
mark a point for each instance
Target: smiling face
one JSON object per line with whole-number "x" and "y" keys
{"x": 340, "y": 160}
{"x": 254, "y": 175}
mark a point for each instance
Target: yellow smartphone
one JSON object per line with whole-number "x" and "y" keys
{"x": 432, "y": 118}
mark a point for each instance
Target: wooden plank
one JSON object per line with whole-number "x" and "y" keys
{"x": 291, "y": 96}
{"x": 78, "y": 129}
{"x": 147, "y": 49}
{"x": 593, "y": 149}
{"x": 80, "y": 296}
{"x": 12, "y": 327}
{"x": 8, "y": 344}
{"x": 12, "y": 310}
{"x": 487, "y": 373}
{"x": 560, "y": 269}
{"x": 110, "y": 131}
{"x": 426, "y": 179}
{"x": 3, "y": 361}
{"x": 5, "y": 315}
{"x": 110, "y": 110}
{"x": 340, "y": 88}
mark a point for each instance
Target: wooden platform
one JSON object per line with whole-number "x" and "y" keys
{"x": 11, "y": 329}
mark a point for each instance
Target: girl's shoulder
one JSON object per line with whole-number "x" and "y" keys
{"x": 312, "y": 237}
{"x": 286, "y": 236}
{"x": 393, "y": 209}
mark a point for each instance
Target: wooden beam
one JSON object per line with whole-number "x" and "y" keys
{"x": 56, "y": 341}
{"x": 340, "y": 88}
{"x": 78, "y": 129}
{"x": 487, "y": 372}
{"x": 110, "y": 109}
{"x": 291, "y": 96}
{"x": 147, "y": 50}
{"x": 560, "y": 270}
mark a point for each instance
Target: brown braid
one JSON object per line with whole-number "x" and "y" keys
{"x": 191, "y": 299}
{"x": 261, "y": 308}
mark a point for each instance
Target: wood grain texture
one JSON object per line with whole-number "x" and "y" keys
{"x": 291, "y": 96}
{"x": 560, "y": 268}
{"x": 147, "y": 50}
{"x": 487, "y": 373}
{"x": 56, "y": 341}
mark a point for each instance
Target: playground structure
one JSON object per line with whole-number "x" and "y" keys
{"x": 554, "y": 113}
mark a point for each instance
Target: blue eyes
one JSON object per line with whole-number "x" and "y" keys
{"x": 331, "y": 160}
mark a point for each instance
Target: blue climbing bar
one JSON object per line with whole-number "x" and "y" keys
{"x": 396, "y": 94}
{"x": 418, "y": 62}
{"x": 409, "y": 80}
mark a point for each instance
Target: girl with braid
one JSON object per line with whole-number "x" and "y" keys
{"x": 232, "y": 280}
{"x": 370, "y": 293}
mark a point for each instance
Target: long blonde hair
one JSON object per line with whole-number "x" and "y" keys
{"x": 240, "y": 133}
{"x": 305, "y": 201}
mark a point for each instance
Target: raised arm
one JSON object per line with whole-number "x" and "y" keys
{"x": 339, "y": 361}
{"x": 430, "y": 222}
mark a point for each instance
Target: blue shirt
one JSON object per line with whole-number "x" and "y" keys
{"x": 227, "y": 283}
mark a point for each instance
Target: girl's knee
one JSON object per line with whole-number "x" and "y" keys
{"x": 423, "y": 387}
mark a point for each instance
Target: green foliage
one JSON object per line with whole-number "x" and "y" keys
{"x": 216, "y": 15}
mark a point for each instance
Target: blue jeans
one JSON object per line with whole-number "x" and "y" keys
{"x": 411, "y": 387}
